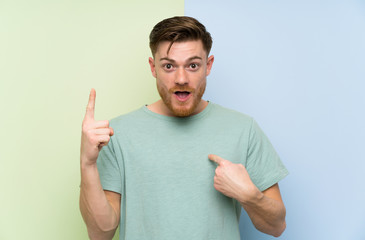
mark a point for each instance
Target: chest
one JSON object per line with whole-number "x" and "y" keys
{"x": 179, "y": 157}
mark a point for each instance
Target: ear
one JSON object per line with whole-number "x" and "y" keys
{"x": 209, "y": 64}
{"x": 151, "y": 61}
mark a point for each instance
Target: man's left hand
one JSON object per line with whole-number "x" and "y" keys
{"x": 233, "y": 180}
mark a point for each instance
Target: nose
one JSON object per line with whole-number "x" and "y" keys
{"x": 181, "y": 77}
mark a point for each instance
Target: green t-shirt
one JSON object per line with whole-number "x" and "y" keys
{"x": 160, "y": 166}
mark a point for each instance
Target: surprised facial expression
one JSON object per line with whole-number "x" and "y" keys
{"x": 181, "y": 76}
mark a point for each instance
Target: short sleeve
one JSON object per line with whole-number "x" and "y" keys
{"x": 110, "y": 169}
{"x": 263, "y": 163}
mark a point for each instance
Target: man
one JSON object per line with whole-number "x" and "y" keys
{"x": 182, "y": 167}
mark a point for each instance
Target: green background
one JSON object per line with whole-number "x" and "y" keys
{"x": 51, "y": 54}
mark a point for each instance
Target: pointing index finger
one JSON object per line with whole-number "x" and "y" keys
{"x": 91, "y": 105}
{"x": 215, "y": 158}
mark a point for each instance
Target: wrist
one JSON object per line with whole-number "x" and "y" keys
{"x": 87, "y": 170}
{"x": 254, "y": 197}
{"x": 86, "y": 162}
{"x": 84, "y": 165}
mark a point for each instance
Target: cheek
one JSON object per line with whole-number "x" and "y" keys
{"x": 162, "y": 85}
{"x": 165, "y": 79}
{"x": 198, "y": 79}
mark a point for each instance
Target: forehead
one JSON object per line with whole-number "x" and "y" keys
{"x": 181, "y": 50}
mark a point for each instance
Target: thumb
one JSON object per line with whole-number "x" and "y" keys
{"x": 215, "y": 158}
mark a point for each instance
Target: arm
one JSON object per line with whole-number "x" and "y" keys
{"x": 265, "y": 209}
{"x": 100, "y": 209}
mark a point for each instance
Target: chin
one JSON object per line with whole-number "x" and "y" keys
{"x": 183, "y": 112}
{"x": 181, "y": 109}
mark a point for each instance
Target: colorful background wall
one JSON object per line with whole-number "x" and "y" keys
{"x": 296, "y": 67}
{"x": 51, "y": 54}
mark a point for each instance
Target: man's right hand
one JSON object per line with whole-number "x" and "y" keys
{"x": 95, "y": 134}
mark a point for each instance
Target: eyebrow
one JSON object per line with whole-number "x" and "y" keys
{"x": 172, "y": 60}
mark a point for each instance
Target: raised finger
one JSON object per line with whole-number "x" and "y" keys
{"x": 91, "y": 105}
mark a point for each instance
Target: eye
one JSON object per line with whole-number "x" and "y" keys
{"x": 194, "y": 66}
{"x": 168, "y": 66}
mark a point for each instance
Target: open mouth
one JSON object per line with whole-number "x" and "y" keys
{"x": 182, "y": 95}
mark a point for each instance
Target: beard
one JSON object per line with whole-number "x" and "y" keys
{"x": 182, "y": 109}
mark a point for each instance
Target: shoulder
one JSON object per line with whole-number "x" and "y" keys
{"x": 128, "y": 120}
{"x": 231, "y": 116}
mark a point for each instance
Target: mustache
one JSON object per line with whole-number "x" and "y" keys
{"x": 181, "y": 89}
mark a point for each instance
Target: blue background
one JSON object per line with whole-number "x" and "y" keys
{"x": 298, "y": 68}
